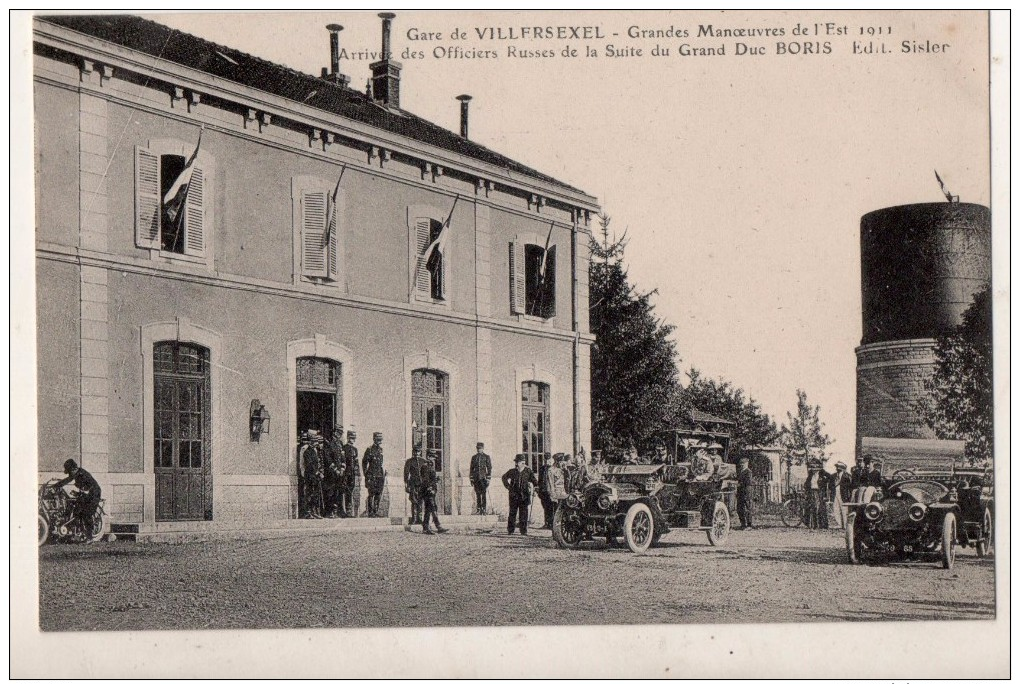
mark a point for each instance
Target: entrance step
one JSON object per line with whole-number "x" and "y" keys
{"x": 184, "y": 531}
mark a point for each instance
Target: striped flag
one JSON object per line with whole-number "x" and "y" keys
{"x": 177, "y": 195}
{"x": 331, "y": 209}
{"x": 439, "y": 244}
{"x": 545, "y": 255}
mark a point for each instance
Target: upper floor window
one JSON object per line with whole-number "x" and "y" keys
{"x": 429, "y": 247}
{"x": 532, "y": 279}
{"x": 317, "y": 212}
{"x": 172, "y": 198}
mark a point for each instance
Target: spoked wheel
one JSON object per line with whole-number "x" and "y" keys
{"x": 791, "y": 514}
{"x": 96, "y": 529}
{"x": 984, "y": 547}
{"x": 566, "y": 534}
{"x": 44, "y": 529}
{"x": 853, "y": 543}
{"x": 638, "y": 528}
{"x": 720, "y": 528}
{"x": 949, "y": 541}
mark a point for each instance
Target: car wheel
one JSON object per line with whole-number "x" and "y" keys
{"x": 853, "y": 542}
{"x": 44, "y": 529}
{"x": 984, "y": 546}
{"x": 638, "y": 528}
{"x": 949, "y": 541}
{"x": 792, "y": 514}
{"x": 566, "y": 535}
{"x": 720, "y": 528}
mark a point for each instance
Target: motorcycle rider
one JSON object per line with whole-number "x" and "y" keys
{"x": 89, "y": 492}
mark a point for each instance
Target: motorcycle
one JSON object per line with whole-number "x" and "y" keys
{"x": 57, "y": 521}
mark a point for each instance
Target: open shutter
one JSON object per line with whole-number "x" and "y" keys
{"x": 517, "y": 287}
{"x": 194, "y": 214}
{"x": 147, "y": 199}
{"x": 549, "y": 286}
{"x": 422, "y": 277}
{"x": 313, "y": 234}
{"x": 334, "y": 241}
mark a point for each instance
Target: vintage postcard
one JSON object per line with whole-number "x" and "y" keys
{"x": 533, "y": 343}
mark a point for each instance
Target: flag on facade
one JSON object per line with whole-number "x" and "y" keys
{"x": 176, "y": 197}
{"x": 331, "y": 209}
{"x": 545, "y": 256}
{"x": 436, "y": 247}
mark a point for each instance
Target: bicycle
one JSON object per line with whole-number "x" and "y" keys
{"x": 794, "y": 510}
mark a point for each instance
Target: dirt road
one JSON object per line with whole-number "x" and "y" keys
{"x": 406, "y": 579}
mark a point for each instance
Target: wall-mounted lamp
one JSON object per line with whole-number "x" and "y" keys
{"x": 415, "y": 434}
{"x": 259, "y": 420}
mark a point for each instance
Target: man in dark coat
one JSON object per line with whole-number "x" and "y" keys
{"x": 480, "y": 474}
{"x": 89, "y": 492}
{"x": 839, "y": 492}
{"x": 413, "y": 483}
{"x": 375, "y": 475}
{"x": 311, "y": 461}
{"x": 857, "y": 473}
{"x": 548, "y": 507}
{"x": 872, "y": 472}
{"x": 745, "y": 484}
{"x": 333, "y": 473}
{"x": 520, "y": 484}
{"x": 427, "y": 493}
{"x": 816, "y": 488}
{"x": 350, "y": 479}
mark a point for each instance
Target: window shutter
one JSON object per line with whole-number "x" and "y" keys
{"x": 147, "y": 199}
{"x": 334, "y": 240}
{"x": 194, "y": 214}
{"x": 422, "y": 277}
{"x": 313, "y": 233}
{"x": 549, "y": 291}
{"x": 517, "y": 287}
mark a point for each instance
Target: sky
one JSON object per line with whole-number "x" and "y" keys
{"x": 740, "y": 180}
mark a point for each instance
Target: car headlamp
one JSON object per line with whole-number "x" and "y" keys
{"x": 604, "y": 503}
{"x": 873, "y": 511}
{"x": 917, "y": 512}
{"x": 573, "y": 501}
{"x": 953, "y": 496}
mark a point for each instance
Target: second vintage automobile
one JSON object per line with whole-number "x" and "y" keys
{"x": 922, "y": 509}
{"x": 688, "y": 489}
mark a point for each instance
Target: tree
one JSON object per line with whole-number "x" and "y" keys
{"x": 633, "y": 367}
{"x": 752, "y": 426}
{"x": 959, "y": 401}
{"x": 803, "y": 434}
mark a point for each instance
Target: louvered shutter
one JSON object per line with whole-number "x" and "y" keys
{"x": 334, "y": 241}
{"x": 422, "y": 277}
{"x": 313, "y": 234}
{"x": 147, "y": 199}
{"x": 194, "y": 214}
{"x": 517, "y": 287}
{"x": 549, "y": 290}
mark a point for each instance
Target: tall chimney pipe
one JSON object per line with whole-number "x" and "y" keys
{"x": 464, "y": 99}
{"x": 386, "y": 17}
{"x": 334, "y": 55}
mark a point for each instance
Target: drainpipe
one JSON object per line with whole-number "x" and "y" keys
{"x": 574, "y": 326}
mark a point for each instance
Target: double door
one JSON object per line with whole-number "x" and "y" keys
{"x": 430, "y": 410}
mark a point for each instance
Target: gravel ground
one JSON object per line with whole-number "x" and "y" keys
{"x": 388, "y": 579}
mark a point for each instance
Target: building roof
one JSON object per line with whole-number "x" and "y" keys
{"x": 702, "y": 417}
{"x": 175, "y": 46}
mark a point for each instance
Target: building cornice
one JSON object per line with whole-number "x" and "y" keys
{"x": 120, "y": 57}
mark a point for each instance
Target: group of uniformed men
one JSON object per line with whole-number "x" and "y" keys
{"x": 329, "y": 475}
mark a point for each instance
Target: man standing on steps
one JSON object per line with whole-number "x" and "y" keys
{"x": 520, "y": 483}
{"x": 414, "y": 468}
{"x": 375, "y": 475}
{"x": 333, "y": 471}
{"x": 350, "y": 475}
{"x": 429, "y": 487}
{"x": 481, "y": 473}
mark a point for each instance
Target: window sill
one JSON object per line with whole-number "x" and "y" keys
{"x": 322, "y": 282}
{"x": 528, "y": 318}
{"x": 428, "y": 301}
{"x": 176, "y": 256}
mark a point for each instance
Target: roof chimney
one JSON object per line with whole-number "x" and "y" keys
{"x": 386, "y": 72}
{"x": 464, "y": 99}
{"x": 334, "y": 56}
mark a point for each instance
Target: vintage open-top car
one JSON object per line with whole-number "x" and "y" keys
{"x": 928, "y": 508}
{"x": 687, "y": 489}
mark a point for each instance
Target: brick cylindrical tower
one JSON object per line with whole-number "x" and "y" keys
{"x": 921, "y": 265}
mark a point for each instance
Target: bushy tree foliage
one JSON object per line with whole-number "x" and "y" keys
{"x": 804, "y": 435}
{"x": 959, "y": 404}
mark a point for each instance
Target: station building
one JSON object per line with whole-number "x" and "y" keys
{"x": 335, "y": 263}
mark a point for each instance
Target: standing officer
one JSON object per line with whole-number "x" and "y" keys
{"x": 333, "y": 471}
{"x": 481, "y": 473}
{"x": 312, "y": 474}
{"x": 745, "y": 482}
{"x": 545, "y": 491}
{"x": 414, "y": 468}
{"x": 375, "y": 476}
{"x": 350, "y": 475}
{"x": 816, "y": 487}
{"x": 857, "y": 473}
{"x": 427, "y": 493}
{"x": 520, "y": 483}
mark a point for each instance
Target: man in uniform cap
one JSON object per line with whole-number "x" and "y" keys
{"x": 544, "y": 495}
{"x": 350, "y": 480}
{"x": 857, "y": 473}
{"x": 839, "y": 488}
{"x": 333, "y": 473}
{"x": 872, "y": 472}
{"x": 745, "y": 483}
{"x": 375, "y": 475}
{"x": 519, "y": 482}
{"x": 311, "y": 461}
{"x": 481, "y": 473}
{"x": 816, "y": 487}
{"x": 427, "y": 493}
{"x": 413, "y": 482}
